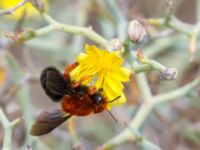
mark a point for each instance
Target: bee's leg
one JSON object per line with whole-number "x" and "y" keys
{"x": 78, "y": 83}
{"x": 92, "y": 90}
{"x": 68, "y": 69}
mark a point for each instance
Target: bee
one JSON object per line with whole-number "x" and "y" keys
{"x": 75, "y": 98}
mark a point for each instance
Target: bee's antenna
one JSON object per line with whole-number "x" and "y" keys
{"x": 112, "y": 116}
{"x": 110, "y": 111}
{"x": 113, "y": 99}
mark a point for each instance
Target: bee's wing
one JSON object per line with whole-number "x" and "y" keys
{"x": 54, "y": 84}
{"x": 47, "y": 121}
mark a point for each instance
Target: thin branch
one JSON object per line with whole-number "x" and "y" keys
{"x": 173, "y": 23}
{"x": 3, "y": 118}
{"x": 8, "y": 126}
{"x": 146, "y": 109}
{"x": 143, "y": 84}
{"x": 11, "y": 10}
{"x": 135, "y": 124}
{"x": 87, "y": 31}
{"x": 176, "y": 93}
{"x": 198, "y": 11}
{"x": 152, "y": 65}
{"x": 22, "y": 94}
{"x": 170, "y": 6}
{"x": 29, "y": 34}
{"x": 75, "y": 141}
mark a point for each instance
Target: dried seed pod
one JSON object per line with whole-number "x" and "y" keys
{"x": 168, "y": 74}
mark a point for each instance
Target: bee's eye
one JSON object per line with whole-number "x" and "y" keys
{"x": 97, "y": 98}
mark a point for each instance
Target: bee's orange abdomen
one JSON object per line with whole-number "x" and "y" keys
{"x": 79, "y": 106}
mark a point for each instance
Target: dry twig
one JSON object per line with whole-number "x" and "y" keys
{"x": 11, "y": 10}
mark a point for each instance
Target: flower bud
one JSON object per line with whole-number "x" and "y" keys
{"x": 136, "y": 31}
{"x": 168, "y": 74}
{"x": 115, "y": 45}
{"x": 141, "y": 57}
{"x": 20, "y": 37}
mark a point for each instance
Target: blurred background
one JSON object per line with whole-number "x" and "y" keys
{"x": 172, "y": 126}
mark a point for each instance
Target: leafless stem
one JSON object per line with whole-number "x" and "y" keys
{"x": 11, "y": 10}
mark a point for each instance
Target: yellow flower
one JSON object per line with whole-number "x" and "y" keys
{"x": 28, "y": 8}
{"x": 105, "y": 70}
{"x": 2, "y": 76}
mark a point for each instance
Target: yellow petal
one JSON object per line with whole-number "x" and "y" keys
{"x": 99, "y": 81}
{"x": 91, "y": 50}
{"x": 114, "y": 84}
{"x": 110, "y": 93}
{"x": 122, "y": 74}
{"x": 81, "y": 57}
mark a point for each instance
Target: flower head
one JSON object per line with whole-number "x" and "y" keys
{"x": 105, "y": 70}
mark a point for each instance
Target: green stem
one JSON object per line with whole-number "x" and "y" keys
{"x": 143, "y": 86}
{"x": 142, "y": 68}
{"x": 3, "y": 118}
{"x": 7, "y": 131}
{"x": 176, "y": 93}
{"x": 198, "y": 11}
{"x": 156, "y": 65}
{"x": 49, "y": 19}
{"x": 152, "y": 65}
{"x": 45, "y": 30}
{"x": 7, "y": 145}
{"x": 86, "y": 31}
{"x": 8, "y": 126}
{"x": 169, "y": 5}
{"x": 135, "y": 124}
{"x": 22, "y": 94}
{"x": 174, "y": 24}
{"x": 149, "y": 64}
{"x": 179, "y": 26}
{"x": 145, "y": 110}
